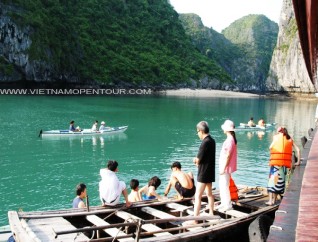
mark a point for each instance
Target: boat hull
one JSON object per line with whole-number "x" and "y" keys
{"x": 84, "y": 132}
{"x": 147, "y": 220}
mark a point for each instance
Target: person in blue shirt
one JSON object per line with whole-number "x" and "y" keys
{"x": 72, "y": 128}
{"x": 81, "y": 193}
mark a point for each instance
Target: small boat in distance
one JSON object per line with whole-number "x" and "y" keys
{"x": 245, "y": 127}
{"x": 146, "y": 221}
{"x": 84, "y": 132}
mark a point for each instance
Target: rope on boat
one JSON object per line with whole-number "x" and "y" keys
{"x": 93, "y": 234}
{"x": 127, "y": 220}
{"x": 121, "y": 228}
{"x": 111, "y": 214}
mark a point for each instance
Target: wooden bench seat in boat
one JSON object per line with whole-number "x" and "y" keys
{"x": 177, "y": 207}
{"x": 236, "y": 214}
{"x": 162, "y": 215}
{"x": 156, "y": 213}
{"x": 147, "y": 227}
{"x": 111, "y": 231}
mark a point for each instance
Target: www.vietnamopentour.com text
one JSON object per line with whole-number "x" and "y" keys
{"x": 80, "y": 91}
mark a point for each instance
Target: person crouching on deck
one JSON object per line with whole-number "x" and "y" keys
{"x": 181, "y": 181}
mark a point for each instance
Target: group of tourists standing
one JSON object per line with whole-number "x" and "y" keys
{"x": 111, "y": 188}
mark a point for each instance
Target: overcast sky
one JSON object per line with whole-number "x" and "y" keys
{"x": 219, "y": 14}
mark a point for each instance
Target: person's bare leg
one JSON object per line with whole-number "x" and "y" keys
{"x": 270, "y": 200}
{"x": 208, "y": 191}
{"x": 274, "y": 198}
{"x": 197, "y": 202}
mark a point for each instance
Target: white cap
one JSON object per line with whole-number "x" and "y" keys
{"x": 228, "y": 125}
{"x": 103, "y": 122}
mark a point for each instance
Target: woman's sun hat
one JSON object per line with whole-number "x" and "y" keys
{"x": 228, "y": 125}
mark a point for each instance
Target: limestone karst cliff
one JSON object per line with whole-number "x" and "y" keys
{"x": 143, "y": 43}
{"x": 287, "y": 71}
{"x": 107, "y": 42}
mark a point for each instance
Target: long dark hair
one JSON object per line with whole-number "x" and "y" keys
{"x": 284, "y": 131}
{"x": 234, "y": 136}
{"x": 154, "y": 181}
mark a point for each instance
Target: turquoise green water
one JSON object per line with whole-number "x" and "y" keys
{"x": 39, "y": 174}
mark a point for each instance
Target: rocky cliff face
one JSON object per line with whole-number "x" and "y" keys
{"x": 15, "y": 41}
{"x": 243, "y": 50}
{"x": 287, "y": 70}
{"x": 15, "y": 61}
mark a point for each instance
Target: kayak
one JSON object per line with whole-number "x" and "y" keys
{"x": 84, "y": 132}
{"x": 245, "y": 127}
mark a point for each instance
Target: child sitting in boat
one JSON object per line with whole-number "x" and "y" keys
{"x": 148, "y": 192}
{"x": 134, "y": 195}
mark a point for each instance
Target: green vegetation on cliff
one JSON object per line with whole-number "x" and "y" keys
{"x": 113, "y": 41}
{"x": 244, "y": 49}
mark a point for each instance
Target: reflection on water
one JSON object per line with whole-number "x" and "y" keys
{"x": 259, "y": 134}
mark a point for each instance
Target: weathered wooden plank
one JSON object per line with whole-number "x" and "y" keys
{"x": 159, "y": 214}
{"x": 236, "y": 214}
{"x": 156, "y": 213}
{"x": 44, "y": 229}
{"x": 146, "y": 227}
{"x": 177, "y": 207}
{"x": 111, "y": 231}
{"x": 20, "y": 234}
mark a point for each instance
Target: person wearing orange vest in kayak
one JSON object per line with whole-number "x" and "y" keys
{"x": 281, "y": 153}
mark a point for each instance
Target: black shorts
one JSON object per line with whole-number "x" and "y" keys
{"x": 184, "y": 191}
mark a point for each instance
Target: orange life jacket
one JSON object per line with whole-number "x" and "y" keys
{"x": 233, "y": 190}
{"x": 281, "y": 151}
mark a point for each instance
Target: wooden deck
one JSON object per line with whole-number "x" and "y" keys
{"x": 297, "y": 216}
{"x": 42, "y": 229}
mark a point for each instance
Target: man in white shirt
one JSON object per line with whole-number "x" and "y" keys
{"x": 110, "y": 188}
{"x": 94, "y": 127}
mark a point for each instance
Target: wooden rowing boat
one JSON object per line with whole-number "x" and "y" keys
{"x": 145, "y": 221}
{"x": 5, "y": 233}
{"x": 84, "y": 132}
